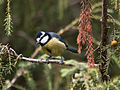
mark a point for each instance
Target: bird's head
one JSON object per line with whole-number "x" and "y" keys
{"x": 42, "y": 38}
{"x": 39, "y": 36}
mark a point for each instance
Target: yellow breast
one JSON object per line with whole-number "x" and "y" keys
{"x": 54, "y": 47}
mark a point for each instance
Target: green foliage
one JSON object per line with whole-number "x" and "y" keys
{"x": 6, "y": 64}
{"x": 29, "y": 79}
{"x": 86, "y": 78}
{"x": 70, "y": 71}
{"x": 48, "y": 75}
{"x": 96, "y": 13}
{"x": 8, "y": 20}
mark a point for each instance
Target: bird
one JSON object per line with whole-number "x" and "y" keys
{"x": 52, "y": 44}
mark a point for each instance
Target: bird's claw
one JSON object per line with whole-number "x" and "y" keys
{"x": 61, "y": 61}
{"x": 47, "y": 60}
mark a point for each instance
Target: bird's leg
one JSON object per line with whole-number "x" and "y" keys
{"x": 47, "y": 60}
{"x": 61, "y": 61}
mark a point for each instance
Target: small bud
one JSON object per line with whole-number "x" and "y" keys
{"x": 114, "y": 43}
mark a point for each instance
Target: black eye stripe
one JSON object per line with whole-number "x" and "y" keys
{"x": 49, "y": 37}
{"x": 43, "y": 36}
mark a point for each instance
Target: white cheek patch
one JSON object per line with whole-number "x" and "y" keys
{"x": 38, "y": 39}
{"x": 44, "y": 39}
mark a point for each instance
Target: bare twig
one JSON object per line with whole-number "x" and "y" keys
{"x": 18, "y": 74}
{"x": 44, "y": 61}
{"x": 98, "y": 47}
{"x": 13, "y": 53}
{"x": 113, "y": 21}
{"x": 37, "y": 50}
{"x": 61, "y": 31}
{"x": 56, "y": 61}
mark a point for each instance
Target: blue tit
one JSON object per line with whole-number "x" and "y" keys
{"x": 52, "y": 44}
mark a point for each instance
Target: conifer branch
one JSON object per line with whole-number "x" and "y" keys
{"x": 8, "y": 20}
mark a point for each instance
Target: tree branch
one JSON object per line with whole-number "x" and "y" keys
{"x": 61, "y": 31}
{"x": 13, "y": 53}
{"x": 54, "y": 61}
{"x": 104, "y": 64}
{"x": 18, "y": 74}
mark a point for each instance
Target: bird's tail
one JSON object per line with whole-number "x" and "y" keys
{"x": 72, "y": 49}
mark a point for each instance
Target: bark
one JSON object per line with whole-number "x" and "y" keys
{"x": 104, "y": 60}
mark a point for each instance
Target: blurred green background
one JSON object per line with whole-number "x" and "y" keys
{"x": 32, "y": 16}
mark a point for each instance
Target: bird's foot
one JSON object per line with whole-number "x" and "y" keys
{"x": 47, "y": 60}
{"x": 61, "y": 61}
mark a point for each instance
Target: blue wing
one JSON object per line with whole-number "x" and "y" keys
{"x": 52, "y": 34}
